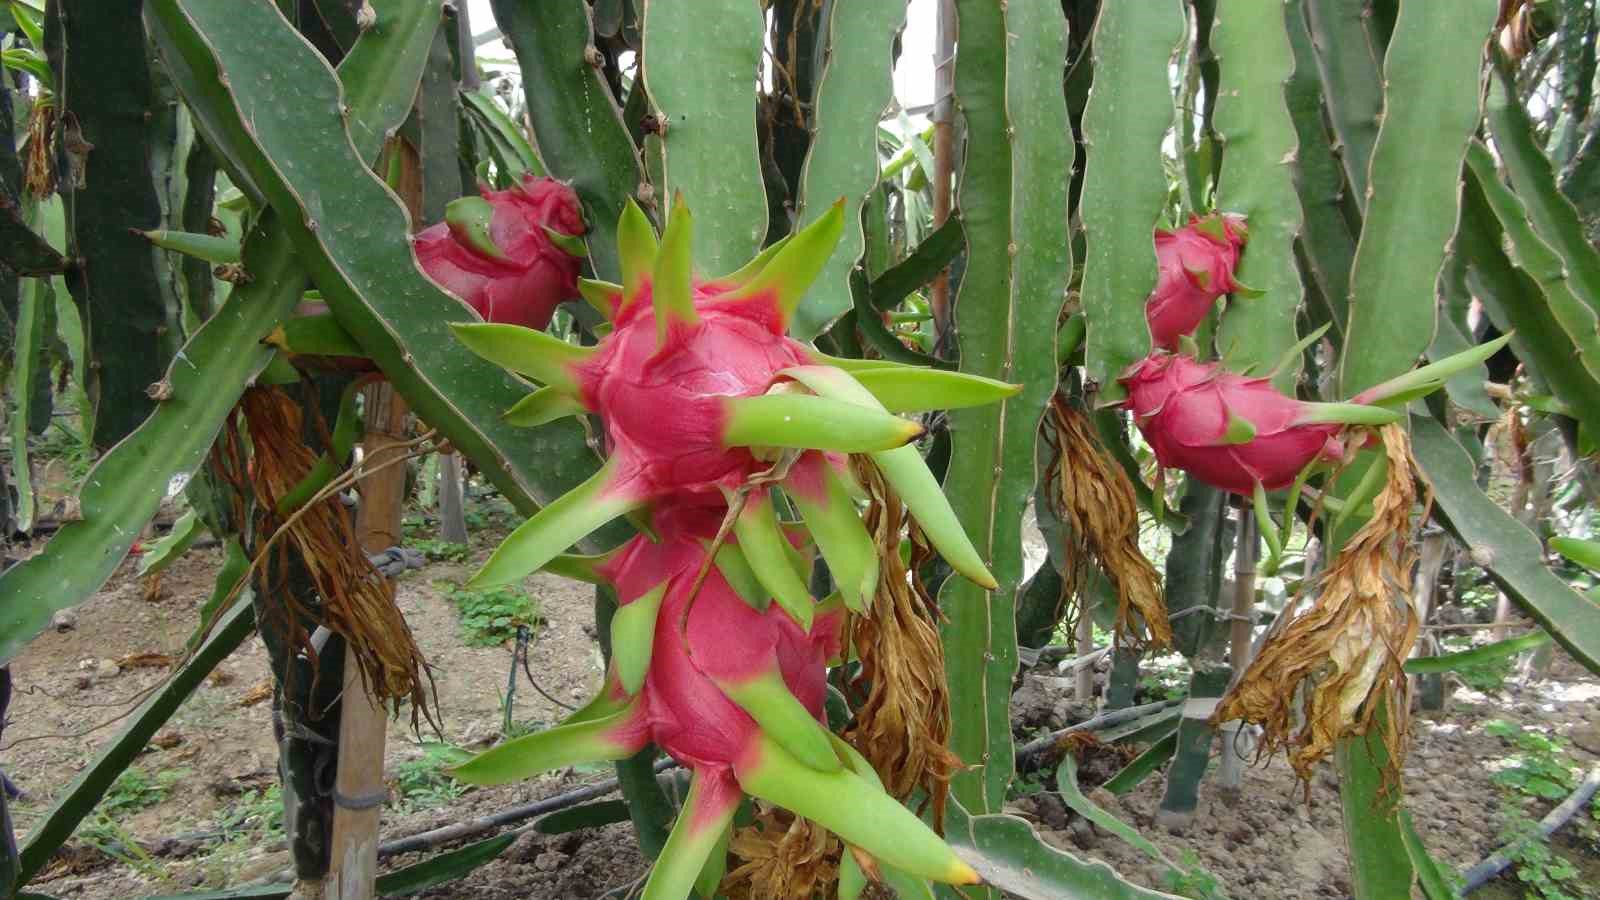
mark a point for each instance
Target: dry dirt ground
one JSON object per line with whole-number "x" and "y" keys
{"x": 1271, "y": 844}
{"x": 222, "y": 748}
{"x": 1274, "y": 843}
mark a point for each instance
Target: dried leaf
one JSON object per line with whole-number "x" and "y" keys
{"x": 152, "y": 587}
{"x": 1094, "y": 497}
{"x": 784, "y": 857}
{"x": 352, "y": 600}
{"x": 902, "y": 722}
{"x": 260, "y": 692}
{"x": 1317, "y": 675}
{"x": 144, "y": 661}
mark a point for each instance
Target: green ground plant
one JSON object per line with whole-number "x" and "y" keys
{"x": 134, "y": 790}
{"x": 423, "y": 782}
{"x": 1543, "y": 873}
{"x": 441, "y": 551}
{"x": 1538, "y": 769}
{"x": 1539, "y": 765}
{"x": 492, "y": 616}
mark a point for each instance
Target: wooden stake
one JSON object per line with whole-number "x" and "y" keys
{"x": 1429, "y": 561}
{"x": 1083, "y": 642}
{"x": 1520, "y": 464}
{"x": 944, "y": 152}
{"x": 452, "y": 515}
{"x": 1230, "y": 771}
{"x": 1242, "y": 624}
{"x": 359, "y": 791}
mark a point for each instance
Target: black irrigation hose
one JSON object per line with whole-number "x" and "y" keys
{"x": 459, "y": 830}
{"x": 1031, "y": 755}
{"x": 522, "y": 652}
{"x": 422, "y": 840}
{"x": 1480, "y": 874}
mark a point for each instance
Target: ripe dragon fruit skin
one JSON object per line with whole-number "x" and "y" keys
{"x": 1196, "y": 265}
{"x": 723, "y": 639}
{"x": 513, "y": 272}
{"x": 665, "y": 411}
{"x": 1185, "y": 409}
{"x": 1239, "y": 433}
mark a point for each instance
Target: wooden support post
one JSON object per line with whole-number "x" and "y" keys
{"x": 359, "y": 790}
{"x": 1083, "y": 642}
{"x": 1242, "y": 623}
{"x": 1520, "y": 464}
{"x": 452, "y": 497}
{"x": 1423, "y": 586}
{"x": 1230, "y": 771}
{"x": 944, "y": 152}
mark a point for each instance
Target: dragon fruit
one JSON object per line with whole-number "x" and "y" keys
{"x": 733, "y": 693}
{"x": 512, "y": 255}
{"x": 1241, "y": 434}
{"x": 1196, "y": 265}
{"x": 700, "y": 392}
{"x": 1233, "y": 431}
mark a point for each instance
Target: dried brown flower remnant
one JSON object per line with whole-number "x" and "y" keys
{"x": 903, "y": 723}
{"x": 39, "y": 175}
{"x": 785, "y": 857}
{"x": 1346, "y": 651}
{"x": 1095, "y": 499}
{"x": 354, "y": 603}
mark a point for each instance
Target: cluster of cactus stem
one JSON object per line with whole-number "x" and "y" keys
{"x": 720, "y": 429}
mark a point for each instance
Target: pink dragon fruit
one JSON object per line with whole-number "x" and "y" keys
{"x": 512, "y": 255}
{"x": 1196, "y": 265}
{"x": 733, "y": 693}
{"x": 700, "y": 391}
{"x": 666, "y": 406}
{"x": 1229, "y": 430}
{"x": 1239, "y": 433}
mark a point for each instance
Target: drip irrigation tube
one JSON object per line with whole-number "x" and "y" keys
{"x": 1030, "y": 755}
{"x": 1480, "y": 874}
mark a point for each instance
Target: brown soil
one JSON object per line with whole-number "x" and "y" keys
{"x": 1271, "y": 844}
{"x": 68, "y": 683}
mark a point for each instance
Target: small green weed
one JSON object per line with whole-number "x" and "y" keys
{"x": 491, "y": 617}
{"x": 441, "y": 551}
{"x": 258, "y": 813}
{"x": 247, "y": 824}
{"x": 1029, "y": 783}
{"x": 134, "y": 789}
{"x": 102, "y": 832}
{"x": 1540, "y": 766}
{"x": 489, "y": 512}
{"x": 68, "y": 445}
{"x": 1193, "y": 881}
{"x": 1545, "y": 874}
{"x": 423, "y": 783}
{"x": 1164, "y": 683}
